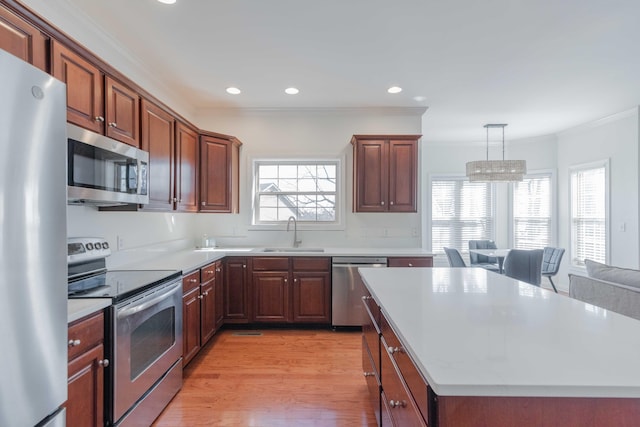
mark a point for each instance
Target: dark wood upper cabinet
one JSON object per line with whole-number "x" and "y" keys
{"x": 186, "y": 168}
{"x": 158, "y": 140}
{"x": 219, "y": 174}
{"x": 23, "y": 40}
{"x": 85, "y": 96}
{"x": 122, "y": 113}
{"x": 385, "y": 173}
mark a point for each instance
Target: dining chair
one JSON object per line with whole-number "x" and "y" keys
{"x": 454, "y": 257}
{"x": 524, "y": 265}
{"x": 551, "y": 258}
{"x": 477, "y": 260}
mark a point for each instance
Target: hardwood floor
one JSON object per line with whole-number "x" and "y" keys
{"x": 279, "y": 378}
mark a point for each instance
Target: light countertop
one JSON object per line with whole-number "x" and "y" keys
{"x": 472, "y": 332}
{"x": 79, "y": 308}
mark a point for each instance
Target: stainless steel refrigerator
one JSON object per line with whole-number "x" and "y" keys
{"x": 33, "y": 275}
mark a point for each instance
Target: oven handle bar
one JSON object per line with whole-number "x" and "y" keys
{"x": 146, "y": 304}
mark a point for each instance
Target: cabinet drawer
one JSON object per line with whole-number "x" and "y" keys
{"x": 401, "y": 405}
{"x": 85, "y": 333}
{"x": 372, "y": 378}
{"x": 416, "y": 384}
{"x": 271, "y": 263}
{"x": 410, "y": 262}
{"x": 190, "y": 282}
{"x": 311, "y": 264}
{"x": 207, "y": 272}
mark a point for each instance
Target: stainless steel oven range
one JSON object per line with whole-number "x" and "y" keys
{"x": 144, "y": 330}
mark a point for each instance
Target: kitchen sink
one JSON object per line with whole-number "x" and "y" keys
{"x": 293, "y": 250}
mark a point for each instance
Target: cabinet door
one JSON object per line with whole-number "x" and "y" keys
{"x": 403, "y": 162}
{"x": 23, "y": 40}
{"x": 186, "y": 168}
{"x": 271, "y": 296}
{"x": 207, "y": 311}
{"x": 311, "y": 297}
{"x": 157, "y": 139}
{"x": 371, "y": 176}
{"x": 122, "y": 113}
{"x": 85, "y": 91}
{"x": 85, "y": 403}
{"x": 218, "y": 175}
{"x": 236, "y": 290}
{"x": 190, "y": 325}
{"x": 219, "y": 294}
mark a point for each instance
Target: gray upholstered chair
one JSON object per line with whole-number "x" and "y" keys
{"x": 477, "y": 260}
{"x": 454, "y": 257}
{"x": 551, "y": 258}
{"x": 524, "y": 265}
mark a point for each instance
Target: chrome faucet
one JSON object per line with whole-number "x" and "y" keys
{"x": 296, "y": 242}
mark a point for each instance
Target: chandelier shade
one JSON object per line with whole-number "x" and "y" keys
{"x": 496, "y": 170}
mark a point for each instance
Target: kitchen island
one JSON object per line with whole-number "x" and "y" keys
{"x": 493, "y": 351}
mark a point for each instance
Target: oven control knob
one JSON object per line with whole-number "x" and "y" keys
{"x": 89, "y": 246}
{"x": 97, "y": 246}
{"x": 105, "y": 245}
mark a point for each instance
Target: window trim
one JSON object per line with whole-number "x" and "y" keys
{"x": 338, "y": 224}
{"x": 607, "y": 200}
{"x": 554, "y": 206}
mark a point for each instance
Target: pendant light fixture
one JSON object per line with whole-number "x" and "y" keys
{"x": 496, "y": 170}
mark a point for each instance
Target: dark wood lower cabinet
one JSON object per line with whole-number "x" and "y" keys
{"x": 190, "y": 325}
{"x": 236, "y": 290}
{"x": 85, "y": 402}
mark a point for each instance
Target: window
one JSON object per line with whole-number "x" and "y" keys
{"x": 531, "y": 211}
{"x": 304, "y": 189}
{"x": 589, "y": 206}
{"x": 460, "y": 211}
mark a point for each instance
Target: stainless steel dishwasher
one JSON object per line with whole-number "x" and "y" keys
{"x": 348, "y": 289}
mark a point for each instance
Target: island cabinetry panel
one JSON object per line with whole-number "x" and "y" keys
{"x": 23, "y": 40}
{"x": 90, "y": 94}
{"x": 219, "y": 173}
{"x": 291, "y": 289}
{"x": 85, "y": 403}
{"x": 385, "y": 173}
{"x": 426, "y": 261}
{"x": 371, "y": 353}
{"x": 236, "y": 290}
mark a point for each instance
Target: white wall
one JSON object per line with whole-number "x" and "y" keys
{"x": 615, "y": 138}
{"x": 311, "y": 133}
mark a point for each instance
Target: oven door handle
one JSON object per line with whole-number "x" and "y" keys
{"x": 146, "y": 304}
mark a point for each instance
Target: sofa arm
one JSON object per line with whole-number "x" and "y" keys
{"x": 612, "y": 296}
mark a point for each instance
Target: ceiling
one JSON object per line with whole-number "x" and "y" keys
{"x": 541, "y": 66}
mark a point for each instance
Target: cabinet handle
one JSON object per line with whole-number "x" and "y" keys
{"x": 410, "y": 265}
{"x": 74, "y": 343}
{"x": 393, "y": 350}
{"x": 286, "y": 280}
{"x": 99, "y": 119}
{"x": 193, "y": 280}
{"x": 369, "y": 374}
{"x": 391, "y": 203}
{"x": 104, "y": 363}
{"x": 398, "y": 403}
{"x": 205, "y": 294}
{"x": 175, "y": 200}
{"x": 366, "y": 297}
{"x": 244, "y": 265}
{"x": 382, "y": 203}
{"x": 204, "y": 203}
{"x": 209, "y": 271}
{"x": 295, "y": 280}
{"x": 218, "y": 270}
{"x": 200, "y": 297}
{"x": 113, "y": 125}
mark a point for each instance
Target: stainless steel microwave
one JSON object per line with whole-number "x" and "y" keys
{"x": 103, "y": 171}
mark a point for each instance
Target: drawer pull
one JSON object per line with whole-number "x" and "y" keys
{"x": 398, "y": 403}
{"x": 393, "y": 350}
{"x": 410, "y": 265}
{"x": 74, "y": 343}
{"x": 113, "y": 125}
{"x": 367, "y": 297}
{"x": 193, "y": 280}
{"x": 209, "y": 272}
{"x": 99, "y": 119}
{"x": 369, "y": 374}
{"x": 104, "y": 363}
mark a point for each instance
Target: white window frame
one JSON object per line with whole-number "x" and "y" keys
{"x": 553, "y": 225}
{"x": 301, "y": 225}
{"x": 607, "y": 229}
{"x": 456, "y": 177}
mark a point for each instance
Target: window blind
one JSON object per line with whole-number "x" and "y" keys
{"x": 588, "y": 214}
{"x": 461, "y": 211}
{"x": 532, "y": 205}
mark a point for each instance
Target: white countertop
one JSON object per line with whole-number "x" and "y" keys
{"x": 472, "y": 332}
{"x": 78, "y": 308}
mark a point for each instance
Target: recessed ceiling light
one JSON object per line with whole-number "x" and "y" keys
{"x": 394, "y": 89}
{"x": 419, "y": 98}
{"x": 291, "y": 91}
{"x": 233, "y": 90}
{"x": 167, "y": 1}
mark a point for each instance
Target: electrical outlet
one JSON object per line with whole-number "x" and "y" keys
{"x": 120, "y": 243}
